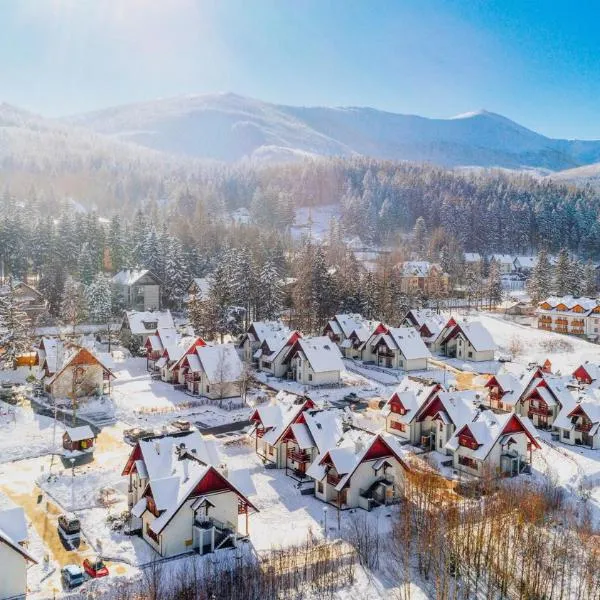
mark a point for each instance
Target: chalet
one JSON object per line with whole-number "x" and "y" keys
{"x": 273, "y": 353}
{"x": 566, "y": 314}
{"x": 271, "y": 423}
{"x": 396, "y": 348}
{"x": 215, "y": 372}
{"x": 315, "y": 361}
{"x": 78, "y": 441}
{"x": 14, "y": 555}
{"x": 170, "y": 355}
{"x": 505, "y": 390}
{"x": 543, "y": 398}
{"x": 363, "y": 470}
{"x": 401, "y": 409}
{"x": 506, "y": 262}
{"x": 466, "y": 340}
{"x": 138, "y": 326}
{"x": 258, "y": 332}
{"x": 341, "y": 326}
{"x": 140, "y": 289}
{"x": 524, "y": 264}
{"x": 176, "y": 370}
{"x": 180, "y": 496}
{"x": 427, "y": 322}
{"x": 493, "y": 445}
{"x": 156, "y": 343}
{"x": 30, "y": 300}
{"x": 312, "y": 433}
{"x": 588, "y": 373}
{"x": 422, "y": 276}
{"x": 441, "y": 415}
{"x": 68, "y": 370}
{"x": 579, "y": 424}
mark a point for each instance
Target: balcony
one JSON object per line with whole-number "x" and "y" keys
{"x": 333, "y": 478}
{"x": 260, "y": 431}
{"x": 298, "y": 456}
{"x": 583, "y": 426}
{"x": 539, "y": 410}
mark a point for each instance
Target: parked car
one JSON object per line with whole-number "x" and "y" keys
{"x": 95, "y": 567}
{"x": 69, "y": 528}
{"x": 505, "y": 357}
{"x": 351, "y": 397}
{"x": 72, "y": 576}
{"x": 132, "y": 436}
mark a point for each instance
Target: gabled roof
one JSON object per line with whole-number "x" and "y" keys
{"x": 13, "y": 531}
{"x": 346, "y": 323}
{"x": 487, "y": 428}
{"x": 322, "y": 429}
{"x": 220, "y": 363}
{"x": 72, "y": 354}
{"x": 592, "y": 369}
{"x": 412, "y": 395}
{"x": 130, "y": 277}
{"x": 321, "y": 353}
{"x": 511, "y": 386}
{"x": 404, "y": 339}
{"x": 142, "y": 322}
{"x": 475, "y": 333}
{"x": 259, "y": 331}
{"x": 588, "y": 405}
{"x": 418, "y": 268}
{"x": 78, "y": 434}
{"x": 459, "y": 407}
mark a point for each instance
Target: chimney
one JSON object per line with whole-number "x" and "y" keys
{"x": 186, "y": 470}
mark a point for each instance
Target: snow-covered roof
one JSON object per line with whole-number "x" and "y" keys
{"x": 477, "y": 335}
{"x": 409, "y": 342}
{"x": 146, "y": 322}
{"x": 321, "y": 353}
{"x": 325, "y": 427}
{"x": 472, "y": 257}
{"x": 570, "y": 302}
{"x": 525, "y": 262}
{"x": 66, "y": 354}
{"x": 487, "y": 428}
{"x": 164, "y": 336}
{"x": 503, "y": 259}
{"x": 512, "y": 387}
{"x": 13, "y": 531}
{"x": 77, "y": 434}
{"x": 427, "y": 316}
{"x": 459, "y": 406}
{"x": 412, "y": 396}
{"x": 221, "y": 363}
{"x": 347, "y": 323}
{"x": 418, "y": 268}
{"x": 130, "y": 277}
{"x": 261, "y": 330}
{"x": 277, "y": 417}
{"x": 589, "y": 404}
{"x": 592, "y": 369}
{"x": 202, "y": 285}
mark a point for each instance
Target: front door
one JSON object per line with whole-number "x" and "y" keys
{"x": 343, "y": 496}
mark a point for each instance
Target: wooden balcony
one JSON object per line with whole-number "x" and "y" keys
{"x": 584, "y": 426}
{"x": 333, "y": 478}
{"x": 298, "y": 455}
{"x": 538, "y": 410}
{"x": 260, "y": 431}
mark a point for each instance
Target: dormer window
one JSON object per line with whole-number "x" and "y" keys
{"x": 150, "y": 324}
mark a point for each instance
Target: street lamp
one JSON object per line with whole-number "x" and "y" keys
{"x": 72, "y": 483}
{"x": 325, "y": 519}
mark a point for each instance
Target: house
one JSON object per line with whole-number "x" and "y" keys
{"x": 78, "y": 441}
{"x": 171, "y": 354}
{"x": 524, "y": 264}
{"x": 515, "y": 308}
{"x": 506, "y": 262}
{"x": 466, "y": 340}
{"x": 579, "y": 424}
{"x": 493, "y": 445}
{"x": 140, "y": 289}
{"x": 566, "y": 314}
{"x": 137, "y": 326}
{"x": 180, "y": 496}
{"x": 215, "y": 372}
{"x": 427, "y": 322}
{"x": 315, "y": 361}
{"x": 441, "y": 415}
{"x": 68, "y": 370}
{"x": 14, "y": 555}
{"x": 257, "y": 333}
{"x": 363, "y": 470}
{"x": 156, "y": 343}
{"x": 422, "y": 276}
{"x": 177, "y": 370}
{"x": 273, "y": 352}
{"x": 401, "y": 409}
{"x": 310, "y": 435}
{"x": 271, "y": 422}
{"x": 30, "y": 300}
{"x": 472, "y": 258}
{"x": 543, "y": 398}
{"x": 505, "y": 390}
{"x": 396, "y": 348}
{"x": 587, "y": 373}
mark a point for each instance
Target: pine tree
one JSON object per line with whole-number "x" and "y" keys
{"x": 420, "y": 235}
{"x": 562, "y": 274}
{"x": 176, "y": 275}
{"x": 271, "y": 292}
{"x": 590, "y": 280}
{"x": 539, "y": 283}
{"x": 494, "y": 284}
{"x": 73, "y": 306}
{"x": 99, "y": 299}
{"x": 15, "y": 328}
{"x": 473, "y": 283}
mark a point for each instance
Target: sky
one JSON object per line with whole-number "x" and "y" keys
{"x": 534, "y": 61}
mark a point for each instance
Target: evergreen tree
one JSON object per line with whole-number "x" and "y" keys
{"x": 494, "y": 284}
{"x": 539, "y": 283}
{"x": 15, "y": 328}
{"x": 562, "y": 274}
{"x": 420, "y": 235}
{"x": 99, "y": 299}
{"x": 271, "y": 292}
{"x": 73, "y": 306}
{"x": 589, "y": 280}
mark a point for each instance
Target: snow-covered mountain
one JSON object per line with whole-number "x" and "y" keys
{"x": 230, "y": 127}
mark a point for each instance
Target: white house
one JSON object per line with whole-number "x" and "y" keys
{"x": 212, "y": 371}
{"x": 315, "y": 361}
{"x": 506, "y": 262}
{"x": 466, "y": 340}
{"x": 401, "y": 409}
{"x": 14, "y": 555}
{"x": 505, "y": 390}
{"x": 271, "y": 421}
{"x": 157, "y": 342}
{"x": 350, "y": 332}
{"x": 139, "y": 288}
{"x": 566, "y": 314}
{"x": 396, "y": 348}
{"x": 138, "y": 325}
{"x": 427, "y": 322}
{"x": 363, "y": 470}
{"x": 180, "y": 496}
{"x": 273, "y": 353}
{"x": 493, "y": 445}
{"x": 579, "y": 424}
{"x": 257, "y": 333}
{"x": 171, "y": 354}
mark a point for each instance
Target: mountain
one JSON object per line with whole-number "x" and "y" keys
{"x": 586, "y": 175}
{"x": 229, "y": 127}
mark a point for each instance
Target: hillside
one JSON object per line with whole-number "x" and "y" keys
{"x": 229, "y": 127}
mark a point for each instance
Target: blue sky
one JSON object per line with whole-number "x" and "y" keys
{"x": 537, "y": 62}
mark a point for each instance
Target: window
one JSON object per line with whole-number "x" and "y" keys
{"x": 310, "y": 376}
{"x": 398, "y": 426}
{"x": 466, "y": 461}
{"x": 320, "y": 487}
{"x": 208, "y": 389}
{"x": 566, "y": 434}
{"x": 470, "y": 355}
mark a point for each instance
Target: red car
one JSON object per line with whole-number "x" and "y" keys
{"x": 95, "y": 567}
